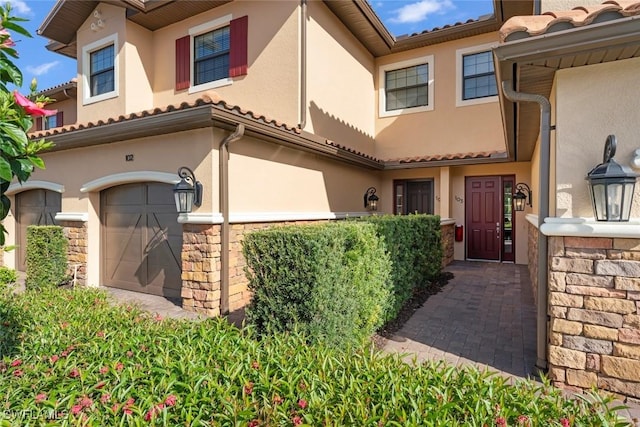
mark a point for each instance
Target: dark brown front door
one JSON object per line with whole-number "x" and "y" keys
{"x": 33, "y": 207}
{"x": 484, "y": 217}
{"x": 142, "y": 239}
{"x": 419, "y": 197}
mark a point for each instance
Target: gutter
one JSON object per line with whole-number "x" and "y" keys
{"x": 303, "y": 64}
{"x": 223, "y": 156}
{"x": 543, "y": 262}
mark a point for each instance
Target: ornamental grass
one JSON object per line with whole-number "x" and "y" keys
{"x": 71, "y": 358}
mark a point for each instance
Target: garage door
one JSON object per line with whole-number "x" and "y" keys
{"x": 33, "y": 207}
{"x": 142, "y": 239}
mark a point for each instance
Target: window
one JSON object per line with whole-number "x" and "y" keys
{"x": 102, "y": 78}
{"x": 406, "y": 87}
{"x": 476, "y": 76}
{"x": 100, "y": 70}
{"x": 212, "y": 54}
{"x": 414, "y": 196}
{"x": 50, "y": 122}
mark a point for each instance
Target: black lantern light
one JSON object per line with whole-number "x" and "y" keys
{"x": 520, "y": 198}
{"x": 188, "y": 191}
{"x": 611, "y": 186}
{"x": 370, "y": 199}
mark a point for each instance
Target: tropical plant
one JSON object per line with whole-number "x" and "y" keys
{"x": 18, "y": 154}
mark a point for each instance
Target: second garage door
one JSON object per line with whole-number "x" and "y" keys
{"x": 142, "y": 240}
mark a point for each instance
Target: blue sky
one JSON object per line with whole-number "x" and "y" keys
{"x": 400, "y": 17}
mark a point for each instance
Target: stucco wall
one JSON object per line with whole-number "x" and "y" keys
{"x": 271, "y": 86}
{"x": 114, "y": 23}
{"x": 547, "y": 5}
{"x": 446, "y": 129}
{"x": 593, "y": 102}
{"x": 265, "y": 177}
{"x": 139, "y": 70}
{"x": 340, "y": 94}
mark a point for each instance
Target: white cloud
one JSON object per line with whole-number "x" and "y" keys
{"x": 20, "y": 6}
{"x": 41, "y": 69}
{"x": 417, "y": 12}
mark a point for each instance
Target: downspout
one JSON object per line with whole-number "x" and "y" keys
{"x": 303, "y": 64}
{"x": 543, "y": 261}
{"x": 223, "y": 155}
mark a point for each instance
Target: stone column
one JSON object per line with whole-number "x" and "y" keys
{"x": 76, "y": 233}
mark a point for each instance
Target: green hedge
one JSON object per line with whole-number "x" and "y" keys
{"x": 330, "y": 281}
{"x": 46, "y": 256}
{"x": 413, "y": 243}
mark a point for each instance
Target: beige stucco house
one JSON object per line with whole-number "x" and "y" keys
{"x": 288, "y": 112}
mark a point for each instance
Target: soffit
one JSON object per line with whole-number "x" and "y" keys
{"x": 62, "y": 23}
{"x": 535, "y": 47}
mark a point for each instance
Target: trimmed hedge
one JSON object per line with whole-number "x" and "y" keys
{"x": 329, "y": 281}
{"x": 414, "y": 245}
{"x": 46, "y": 256}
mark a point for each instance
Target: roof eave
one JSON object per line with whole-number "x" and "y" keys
{"x": 393, "y": 165}
{"x": 508, "y": 57}
{"x": 194, "y": 118}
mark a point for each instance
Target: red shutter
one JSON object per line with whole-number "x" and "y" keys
{"x": 182, "y": 63}
{"x": 238, "y": 55}
{"x": 59, "y": 117}
{"x": 37, "y": 124}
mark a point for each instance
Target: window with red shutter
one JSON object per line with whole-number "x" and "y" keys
{"x": 219, "y": 52}
{"x": 59, "y": 119}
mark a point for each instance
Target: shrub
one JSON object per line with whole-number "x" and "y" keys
{"x": 77, "y": 360}
{"x": 8, "y": 275}
{"x": 414, "y": 247}
{"x": 330, "y": 281}
{"x": 46, "y": 256}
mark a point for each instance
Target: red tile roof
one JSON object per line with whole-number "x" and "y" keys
{"x": 454, "y": 156}
{"x": 528, "y": 26}
{"x": 209, "y": 98}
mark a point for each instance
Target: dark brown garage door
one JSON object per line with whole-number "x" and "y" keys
{"x": 33, "y": 207}
{"x": 142, "y": 239}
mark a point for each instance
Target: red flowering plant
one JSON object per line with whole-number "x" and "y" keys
{"x": 18, "y": 153}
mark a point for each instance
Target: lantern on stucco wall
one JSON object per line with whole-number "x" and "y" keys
{"x": 611, "y": 186}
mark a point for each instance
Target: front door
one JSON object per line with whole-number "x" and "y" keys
{"x": 419, "y": 197}
{"x": 484, "y": 217}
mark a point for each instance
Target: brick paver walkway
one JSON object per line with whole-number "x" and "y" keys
{"x": 485, "y": 317}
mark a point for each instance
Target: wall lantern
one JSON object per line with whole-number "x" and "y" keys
{"x": 611, "y": 186}
{"x": 370, "y": 199}
{"x": 520, "y": 199}
{"x": 188, "y": 191}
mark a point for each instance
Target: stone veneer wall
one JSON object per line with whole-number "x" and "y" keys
{"x": 447, "y": 235}
{"x": 532, "y": 255}
{"x": 76, "y": 234}
{"x": 594, "y": 304}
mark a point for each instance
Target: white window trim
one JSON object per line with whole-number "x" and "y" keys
{"x": 86, "y": 69}
{"x": 382, "y": 92}
{"x": 459, "y": 90}
{"x": 196, "y": 31}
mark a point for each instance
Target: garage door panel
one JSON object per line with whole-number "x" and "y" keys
{"x": 33, "y": 207}
{"x": 143, "y": 239}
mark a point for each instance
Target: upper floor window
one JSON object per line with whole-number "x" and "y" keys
{"x": 50, "y": 122}
{"x": 102, "y": 78}
{"x": 476, "y": 76}
{"x": 406, "y": 87}
{"x": 100, "y": 70}
{"x": 212, "y": 54}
